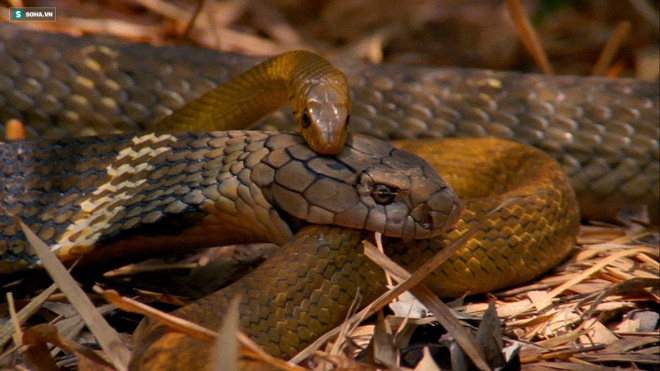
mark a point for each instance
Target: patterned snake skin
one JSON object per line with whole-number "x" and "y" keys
{"x": 603, "y": 132}
{"x": 208, "y": 189}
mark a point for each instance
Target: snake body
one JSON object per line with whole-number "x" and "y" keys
{"x": 311, "y": 280}
{"x": 221, "y": 187}
{"x": 136, "y": 181}
{"x": 123, "y": 200}
{"x": 603, "y": 132}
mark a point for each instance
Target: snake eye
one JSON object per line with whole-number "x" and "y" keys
{"x": 382, "y": 194}
{"x": 306, "y": 120}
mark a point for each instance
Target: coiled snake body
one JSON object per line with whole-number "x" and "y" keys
{"x": 225, "y": 187}
{"x": 604, "y": 133}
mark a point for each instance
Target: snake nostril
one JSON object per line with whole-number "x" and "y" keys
{"x": 439, "y": 212}
{"x": 422, "y": 214}
{"x": 429, "y": 221}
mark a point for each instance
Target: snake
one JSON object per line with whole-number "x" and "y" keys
{"x": 315, "y": 89}
{"x": 602, "y": 132}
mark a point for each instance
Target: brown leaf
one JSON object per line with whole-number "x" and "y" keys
{"x": 489, "y": 337}
{"x": 46, "y": 333}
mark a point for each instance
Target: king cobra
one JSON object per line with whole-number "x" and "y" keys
{"x": 603, "y": 132}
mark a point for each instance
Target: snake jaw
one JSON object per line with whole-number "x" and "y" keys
{"x": 422, "y": 206}
{"x": 369, "y": 185}
{"x": 433, "y": 206}
{"x": 420, "y": 203}
{"x": 430, "y": 222}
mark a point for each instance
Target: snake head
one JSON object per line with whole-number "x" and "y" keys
{"x": 369, "y": 185}
{"x": 322, "y": 113}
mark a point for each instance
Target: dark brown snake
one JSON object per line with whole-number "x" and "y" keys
{"x": 603, "y": 132}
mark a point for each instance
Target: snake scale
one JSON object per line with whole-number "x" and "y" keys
{"x": 603, "y": 132}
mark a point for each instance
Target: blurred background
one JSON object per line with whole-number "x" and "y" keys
{"x": 465, "y": 33}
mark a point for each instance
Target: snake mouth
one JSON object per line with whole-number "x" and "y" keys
{"x": 425, "y": 220}
{"x": 295, "y": 224}
{"x": 432, "y": 221}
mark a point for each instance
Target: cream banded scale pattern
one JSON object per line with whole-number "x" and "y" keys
{"x": 107, "y": 201}
{"x": 604, "y": 132}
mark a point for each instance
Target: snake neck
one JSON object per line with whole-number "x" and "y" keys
{"x": 173, "y": 193}
{"x": 147, "y": 187}
{"x": 288, "y": 78}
